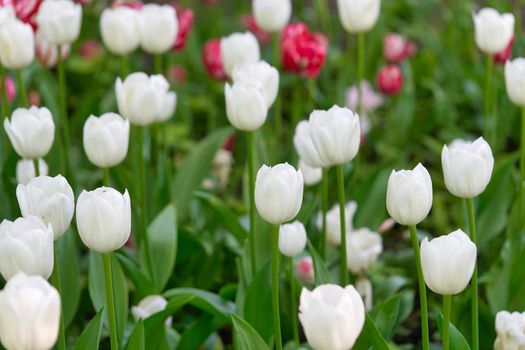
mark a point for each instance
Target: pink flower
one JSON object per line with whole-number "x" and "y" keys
{"x": 136, "y": 5}
{"x": 25, "y": 10}
{"x": 34, "y": 98}
{"x": 249, "y": 23}
{"x": 390, "y": 79}
{"x": 90, "y": 50}
{"x": 185, "y": 18}
{"x": 177, "y": 74}
{"x": 305, "y": 269}
{"x": 11, "y": 89}
{"x": 211, "y": 58}
{"x": 502, "y": 56}
{"x": 370, "y": 100}
{"x": 396, "y": 48}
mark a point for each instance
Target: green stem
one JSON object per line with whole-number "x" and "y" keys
{"x": 312, "y": 90}
{"x": 110, "y": 305}
{"x": 447, "y": 306}
{"x": 22, "y": 93}
{"x": 4, "y": 105}
{"x": 158, "y": 63}
{"x": 55, "y": 277}
{"x": 143, "y": 196}
{"x": 422, "y": 288}
{"x": 522, "y": 162}
{"x": 275, "y": 288}
{"x": 36, "y": 166}
{"x": 251, "y": 188}
{"x": 124, "y": 66}
{"x": 63, "y": 114}
{"x": 488, "y": 100}
{"x": 324, "y": 209}
{"x": 106, "y": 177}
{"x": 341, "y": 191}
{"x": 474, "y": 280}
{"x": 360, "y": 69}
{"x": 322, "y": 8}
{"x": 293, "y": 305}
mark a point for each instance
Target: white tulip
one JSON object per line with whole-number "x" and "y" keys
{"x": 25, "y": 170}
{"x": 246, "y": 106}
{"x": 510, "y": 329}
{"x": 292, "y": 239}
{"x": 158, "y": 28}
{"x": 237, "y": 49}
{"x": 119, "y": 29}
{"x": 332, "y": 316}
{"x": 364, "y": 287}
{"x": 336, "y": 134}
{"x": 7, "y": 13}
{"x": 30, "y": 313}
{"x": 312, "y": 175}
{"x": 272, "y": 15}
{"x": 493, "y": 30}
{"x": 333, "y": 222}
{"x": 467, "y": 167}
{"x": 59, "y": 21}
{"x": 515, "y": 80}
{"x": 278, "y": 192}
{"x": 409, "y": 195}
{"x": 305, "y": 147}
{"x": 150, "y": 305}
{"x": 222, "y": 165}
{"x": 31, "y": 131}
{"x": 266, "y": 75}
{"x": 49, "y": 198}
{"x": 106, "y": 139}
{"x": 448, "y": 262}
{"x": 358, "y": 15}
{"x": 104, "y": 219}
{"x": 17, "y": 44}
{"x": 363, "y": 247}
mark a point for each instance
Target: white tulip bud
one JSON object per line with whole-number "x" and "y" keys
{"x": 158, "y": 28}
{"x": 292, "y": 239}
{"x": 266, "y": 75}
{"x": 104, "y": 219}
{"x": 364, "y": 287}
{"x": 409, "y": 195}
{"x": 26, "y": 245}
{"x": 148, "y": 306}
{"x": 510, "y": 329}
{"x": 7, "y": 13}
{"x": 304, "y": 145}
{"x": 119, "y": 29}
{"x": 143, "y": 100}
{"x": 49, "y": 198}
{"x": 272, "y": 15}
{"x": 515, "y": 81}
{"x": 25, "y": 170}
{"x": 332, "y": 316}
{"x": 237, "y": 49}
{"x": 222, "y": 165}
{"x": 363, "y": 247}
{"x": 17, "y": 44}
{"x": 278, "y": 192}
{"x": 59, "y": 21}
{"x": 448, "y": 262}
{"x": 336, "y": 134}
{"x": 358, "y": 15}
{"x": 106, "y": 139}
{"x": 31, "y": 131}
{"x": 493, "y": 30}
{"x": 312, "y": 175}
{"x": 333, "y": 222}
{"x": 246, "y": 106}
{"x": 467, "y": 167}
{"x": 30, "y": 313}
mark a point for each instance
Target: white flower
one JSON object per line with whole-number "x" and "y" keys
{"x": 333, "y": 222}
{"x": 246, "y": 106}
{"x": 358, "y": 15}
{"x": 292, "y": 239}
{"x": 493, "y": 30}
{"x": 59, "y": 21}
{"x": 150, "y": 305}
{"x": 237, "y": 49}
{"x": 119, "y": 29}
{"x": 272, "y": 15}
{"x": 17, "y": 44}
{"x": 515, "y": 80}
{"x": 363, "y": 247}
{"x": 305, "y": 147}
{"x": 266, "y": 76}
{"x": 510, "y": 328}
{"x": 158, "y": 28}
{"x": 25, "y": 170}
{"x": 312, "y": 175}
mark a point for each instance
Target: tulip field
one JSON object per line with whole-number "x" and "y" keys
{"x": 263, "y": 174}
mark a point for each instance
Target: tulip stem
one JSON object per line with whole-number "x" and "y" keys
{"x": 275, "y": 288}
{"x": 251, "y": 183}
{"x": 106, "y": 177}
{"x": 21, "y": 88}
{"x": 109, "y": 301}
{"x": 293, "y": 305}
{"x": 143, "y": 197}
{"x": 474, "y": 280}
{"x": 341, "y": 190}
{"x": 522, "y": 162}
{"x": 55, "y": 276}
{"x": 5, "y": 99}
{"x": 36, "y": 166}
{"x": 63, "y": 113}
{"x": 324, "y": 209}
{"x": 422, "y": 287}
{"x": 488, "y": 104}
{"x": 158, "y": 63}
{"x": 124, "y": 66}
{"x": 447, "y": 306}
{"x": 360, "y": 69}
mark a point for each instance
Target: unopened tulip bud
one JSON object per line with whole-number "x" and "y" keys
{"x": 312, "y": 175}
{"x": 390, "y": 79}
{"x": 493, "y": 30}
{"x": 292, "y": 239}
{"x": 158, "y": 27}
{"x": 448, "y": 262}
{"x": 119, "y": 29}
{"x": 25, "y": 170}
{"x": 358, "y": 15}
{"x": 246, "y": 106}
{"x": 510, "y": 330}
{"x": 59, "y": 21}
{"x": 272, "y": 15}
{"x": 237, "y": 49}
{"x": 515, "y": 81}
{"x": 265, "y": 75}
{"x": 150, "y": 305}
{"x": 363, "y": 247}
{"x": 17, "y": 44}
{"x": 305, "y": 269}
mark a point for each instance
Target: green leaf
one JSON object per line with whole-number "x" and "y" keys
{"x": 90, "y": 336}
{"x": 322, "y": 275}
{"x": 204, "y": 300}
{"x": 195, "y": 169}
{"x": 370, "y": 195}
{"x": 387, "y": 316}
{"x": 142, "y": 284}
{"x": 258, "y": 303}
{"x": 136, "y": 339}
{"x": 374, "y": 335}
{"x": 69, "y": 275}
{"x": 245, "y": 337}
{"x": 456, "y": 339}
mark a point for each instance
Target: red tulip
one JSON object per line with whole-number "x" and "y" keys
{"x": 249, "y": 23}
{"x": 390, "y": 79}
{"x": 185, "y": 18}
{"x": 136, "y": 5}
{"x": 90, "y": 50}
{"x": 502, "y": 56}
{"x": 177, "y": 74}
{"x": 11, "y": 89}
{"x": 229, "y": 144}
{"x": 34, "y": 98}
{"x": 25, "y": 10}
{"x": 303, "y": 52}
{"x": 211, "y": 58}
{"x": 396, "y": 48}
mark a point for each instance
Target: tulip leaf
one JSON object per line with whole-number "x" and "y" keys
{"x": 387, "y": 315}
{"x": 245, "y": 337}
{"x": 195, "y": 169}
{"x": 69, "y": 274}
{"x": 322, "y": 275}
{"x": 370, "y": 196}
{"x": 258, "y": 302}
{"x": 136, "y": 339}
{"x": 374, "y": 335}
{"x": 90, "y": 336}
{"x": 200, "y": 330}
{"x": 456, "y": 340}
{"x": 142, "y": 284}
{"x": 204, "y": 300}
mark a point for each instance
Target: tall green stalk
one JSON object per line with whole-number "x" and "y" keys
{"x": 55, "y": 277}
{"x": 22, "y": 93}
{"x": 474, "y": 280}
{"x": 124, "y": 66}
{"x": 324, "y": 209}
{"x": 63, "y": 114}
{"x": 522, "y": 162}
{"x": 106, "y": 177}
{"x": 143, "y": 196}
{"x": 113, "y": 336}
{"x": 447, "y": 306}
{"x": 360, "y": 69}
{"x": 275, "y": 288}
{"x": 488, "y": 124}
{"x": 341, "y": 192}
{"x": 422, "y": 288}
{"x": 4, "y": 109}
{"x": 158, "y": 64}
{"x": 293, "y": 305}
{"x": 36, "y": 166}
{"x": 250, "y": 144}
